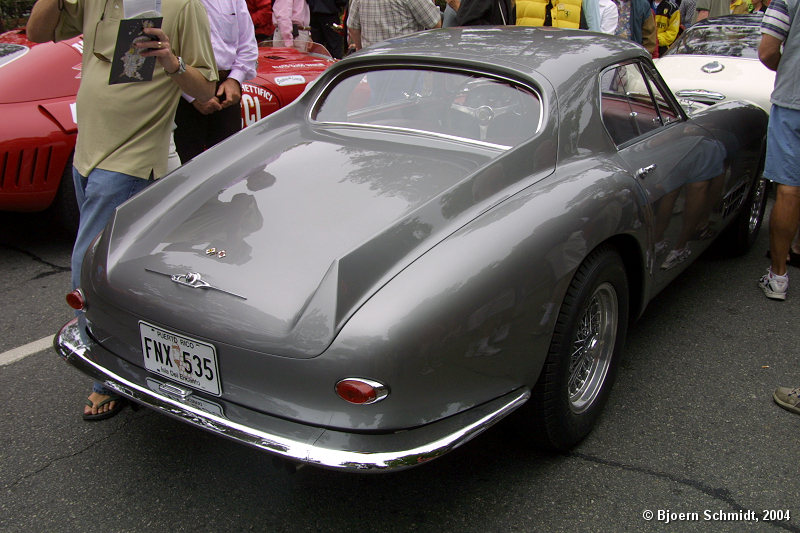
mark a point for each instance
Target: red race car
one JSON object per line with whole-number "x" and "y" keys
{"x": 38, "y": 84}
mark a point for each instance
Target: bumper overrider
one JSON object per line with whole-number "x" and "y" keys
{"x": 291, "y": 440}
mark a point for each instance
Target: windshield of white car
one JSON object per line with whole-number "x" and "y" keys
{"x": 448, "y": 103}
{"x": 719, "y": 40}
{"x": 10, "y": 51}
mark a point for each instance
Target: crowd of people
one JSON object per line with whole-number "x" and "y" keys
{"x": 655, "y": 24}
{"x": 207, "y": 48}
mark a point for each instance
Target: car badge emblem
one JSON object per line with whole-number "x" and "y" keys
{"x": 218, "y": 253}
{"x": 713, "y": 67}
{"x": 195, "y": 281}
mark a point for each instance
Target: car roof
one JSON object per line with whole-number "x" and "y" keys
{"x": 557, "y": 54}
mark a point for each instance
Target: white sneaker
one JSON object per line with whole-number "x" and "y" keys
{"x": 774, "y": 286}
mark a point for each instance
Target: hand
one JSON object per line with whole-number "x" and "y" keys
{"x": 230, "y": 92}
{"x": 158, "y": 48}
{"x": 207, "y": 107}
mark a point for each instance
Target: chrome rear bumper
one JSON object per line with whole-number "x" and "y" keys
{"x": 291, "y": 440}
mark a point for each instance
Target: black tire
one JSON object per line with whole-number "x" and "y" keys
{"x": 740, "y": 236}
{"x": 64, "y": 213}
{"x": 584, "y": 352}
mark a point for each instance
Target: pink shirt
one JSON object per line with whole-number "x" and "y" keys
{"x": 232, "y": 38}
{"x": 286, "y": 12}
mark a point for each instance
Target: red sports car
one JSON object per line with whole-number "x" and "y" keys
{"x": 38, "y": 84}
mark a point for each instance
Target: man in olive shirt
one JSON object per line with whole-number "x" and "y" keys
{"x": 124, "y": 129}
{"x": 712, "y": 8}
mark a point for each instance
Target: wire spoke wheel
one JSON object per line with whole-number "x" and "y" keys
{"x": 593, "y": 348}
{"x": 743, "y": 231}
{"x": 581, "y": 363}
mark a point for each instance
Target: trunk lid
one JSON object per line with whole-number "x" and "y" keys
{"x": 289, "y": 249}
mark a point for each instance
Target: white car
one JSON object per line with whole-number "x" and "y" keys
{"x": 716, "y": 60}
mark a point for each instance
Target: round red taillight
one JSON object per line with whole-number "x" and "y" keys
{"x": 75, "y": 300}
{"x": 361, "y": 391}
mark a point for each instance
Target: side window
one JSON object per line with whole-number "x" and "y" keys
{"x": 627, "y": 105}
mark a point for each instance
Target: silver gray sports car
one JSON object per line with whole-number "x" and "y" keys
{"x": 443, "y": 229}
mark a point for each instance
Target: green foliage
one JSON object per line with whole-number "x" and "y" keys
{"x": 14, "y": 13}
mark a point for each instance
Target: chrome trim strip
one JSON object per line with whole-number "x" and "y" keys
{"x": 297, "y": 442}
{"x": 397, "y": 129}
{"x": 194, "y": 280}
{"x": 700, "y": 93}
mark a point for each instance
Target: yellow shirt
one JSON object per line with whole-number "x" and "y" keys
{"x": 564, "y": 13}
{"x": 126, "y": 127}
{"x": 741, "y": 7}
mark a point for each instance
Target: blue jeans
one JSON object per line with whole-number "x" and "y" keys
{"x": 98, "y": 195}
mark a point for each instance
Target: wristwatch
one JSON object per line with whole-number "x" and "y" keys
{"x": 181, "y": 68}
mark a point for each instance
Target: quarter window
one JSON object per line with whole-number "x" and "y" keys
{"x": 632, "y": 104}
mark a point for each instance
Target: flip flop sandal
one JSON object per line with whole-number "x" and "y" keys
{"x": 118, "y": 406}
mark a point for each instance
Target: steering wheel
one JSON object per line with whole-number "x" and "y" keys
{"x": 478, "y": 104}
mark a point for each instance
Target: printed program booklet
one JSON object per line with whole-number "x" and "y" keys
{"x": 128, "y": 65}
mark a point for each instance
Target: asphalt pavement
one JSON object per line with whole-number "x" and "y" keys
{"x": 690, "y": 440}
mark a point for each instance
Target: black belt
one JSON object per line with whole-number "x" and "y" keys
{"x": 223, "y": 74}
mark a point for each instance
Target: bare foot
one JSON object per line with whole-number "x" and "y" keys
{"x": 96, "y": 398}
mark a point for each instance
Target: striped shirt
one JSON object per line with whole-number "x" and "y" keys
{"x": 778, "y": 22}
{"x": 379, "y": 20}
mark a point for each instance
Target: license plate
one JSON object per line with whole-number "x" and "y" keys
{"x": 182, "y": 359}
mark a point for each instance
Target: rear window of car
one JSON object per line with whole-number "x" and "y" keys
{"x": 9, "y": 52}
{"x": 448, "y": 103}
{"x": 730, "y": 41}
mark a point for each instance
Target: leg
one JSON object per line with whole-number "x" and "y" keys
{"x": 316, "y": 23}
{"x": 190, "y": 131}
{"x": 223, "y": 124}
{"x": 696, "y": 200}
{"x": 796, "y": 242}
{"x": 331, "y": 38}
{"x": 783, "y": 224}
{"x": 98, "y": 195}
{"x": 782, "y": 166}
{"x": 664, "y": 213}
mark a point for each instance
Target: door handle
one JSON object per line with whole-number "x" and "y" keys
{"x": 644, "y": 171}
